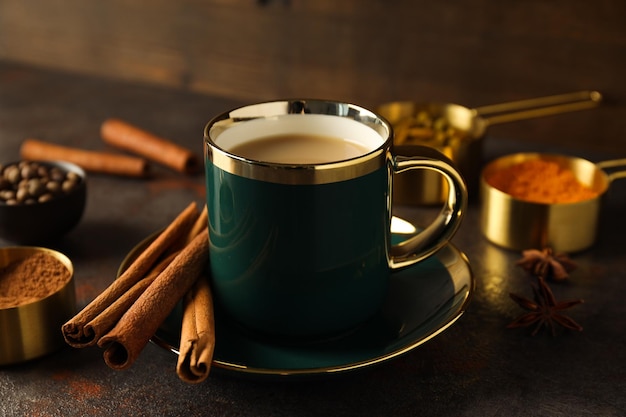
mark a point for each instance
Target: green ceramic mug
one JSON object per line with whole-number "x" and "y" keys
{"x": 299, "y": 201}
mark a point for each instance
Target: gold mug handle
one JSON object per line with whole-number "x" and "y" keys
{"x": 439, "y": 232}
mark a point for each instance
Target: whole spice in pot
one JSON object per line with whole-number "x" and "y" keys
{"x": 540, "y": 181}
{"x": 28, "y": 182}
{"x": 30, "y": 279}
{"x": 427, "y": 129}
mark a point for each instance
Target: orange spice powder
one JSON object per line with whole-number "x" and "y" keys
{"x": 540, "y": 181}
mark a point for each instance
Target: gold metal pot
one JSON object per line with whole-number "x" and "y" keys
{"x": 458, "y": 133}
{"x": 32, "y": 330}
{"x": 516, "y": 224}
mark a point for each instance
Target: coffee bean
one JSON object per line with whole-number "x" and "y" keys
{"x": 28, "y": 172}
{"x": 57, "y": 175}
{"x": 35, "y": 187}
{"x": 45, "y": 197}
{"x": 53, "y": 186}
{"x": 29, "y": 182}
{"x": 12, "y": 174}
{"x": 21, "y": 194}
{"x": 68, "y": 186}
{"x": 7, "y": 195}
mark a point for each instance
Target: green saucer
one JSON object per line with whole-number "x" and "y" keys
{"x": 423, "y": 301}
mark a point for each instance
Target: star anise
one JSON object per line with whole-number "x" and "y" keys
{"x": 544, "y": 311}
{"x": 544, "y": 263}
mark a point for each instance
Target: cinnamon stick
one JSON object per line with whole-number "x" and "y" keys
{"x": 197, "y": 339}
{"x": 202, "y": 222}
{"x": 126, "y": 340}
{"x": 199, "y": 225}
{"x": 106, "y": 320}
{"x": 131, "y": 138}
{"x": 75, "y": 332}
{"x": 91, "y": 161}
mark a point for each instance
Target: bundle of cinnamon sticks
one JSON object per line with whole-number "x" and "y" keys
{"x": 144, "y": 145}
{"x": 124, "y": 317}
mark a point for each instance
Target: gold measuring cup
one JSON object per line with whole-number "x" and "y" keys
{"x": 458, "y": 133}
{"x": 31, "y": 329}
{"x": 565, "y": 227}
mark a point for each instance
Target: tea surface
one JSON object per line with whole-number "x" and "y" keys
{"x": 299, "y": 149}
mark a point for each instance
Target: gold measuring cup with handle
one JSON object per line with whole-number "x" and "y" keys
{"x": 458, "y": 132}
{"x": 517, "y": 224}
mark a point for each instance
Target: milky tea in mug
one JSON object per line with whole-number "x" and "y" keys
{"x": 300, "y": 149}
{"x": 299, "y": 201}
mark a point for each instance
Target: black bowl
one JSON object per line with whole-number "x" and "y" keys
{"x": 42, "y": 222}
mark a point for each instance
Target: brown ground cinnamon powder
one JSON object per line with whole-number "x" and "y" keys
{"x": 540, "y": 181}
{"x": 30, "y": 279}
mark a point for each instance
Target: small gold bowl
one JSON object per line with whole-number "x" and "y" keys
{"x": 518, "y": 224}
{"x": 32, "y": 329}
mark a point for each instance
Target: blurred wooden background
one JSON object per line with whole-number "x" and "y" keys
{"x": 470, "y": 52}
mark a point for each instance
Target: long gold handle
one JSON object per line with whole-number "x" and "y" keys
{"x": 538, "y": 107}
{"x": 614, "y": 163}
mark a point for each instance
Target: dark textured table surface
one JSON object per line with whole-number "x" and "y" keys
{"x": 477, "y": 367}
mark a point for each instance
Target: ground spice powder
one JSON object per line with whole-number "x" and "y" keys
{"x": 30, "y": 279}
{"x": 540, "y": 181}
